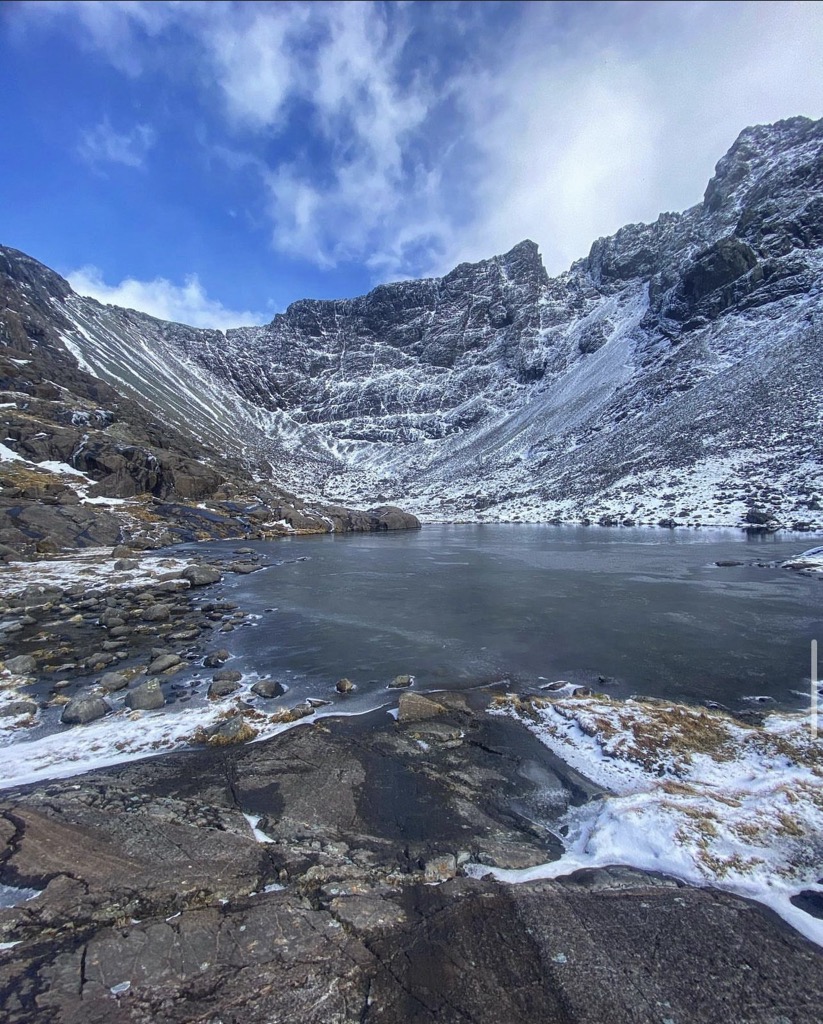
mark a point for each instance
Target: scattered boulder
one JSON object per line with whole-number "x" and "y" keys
{"x": 234, "y": 730}
{"x": 164, "y": 663}
{"x": 157, "y": 613}
{"x": 230, "y": 675}
{"x": 344, "y": 686}
{"x": 222, "y": 687}
{"x": 18, "y": 707}
{"x": 216, "y": 658}
{"x": 112, "y": 681}
{"x": 757, "y": 517}
{"x": 22, "y": 665}
{"x": 268, "y": 688}
{"x": 414, "y": 707}
{"x": 201, "y": 575}
{"x": 84, "y": 708}
{"x": 146, "y": 697}
{"x": 400, "y": 681}
{"x": 728, "y": 563}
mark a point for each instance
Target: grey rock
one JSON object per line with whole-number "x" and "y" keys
{"x": 268, "y": 688}
{"x": 215, "y": 658}
{"x": 223, "y": 687}
{"x": 164, "y": 663}
{"x": 201, "y": 575}
{"x": 147, "y": 696}
{"x": 401, "y": 681}
{"x": 344, "y": 686}
{"x": 113, "y": 681}
{"x": 18, "y": 707}
{"x": 231, "y": 675}
{"x": 23, "y": 665}
{"x": 82, "y": 709}
{"x": 157, "y": 613}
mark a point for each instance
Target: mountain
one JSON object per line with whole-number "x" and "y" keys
{"x": 674, "y": 373}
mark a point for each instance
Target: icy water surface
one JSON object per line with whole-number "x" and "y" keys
{"x": 457, "y": 605}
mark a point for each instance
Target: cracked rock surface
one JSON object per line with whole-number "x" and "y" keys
{"x": 317, "y": 877}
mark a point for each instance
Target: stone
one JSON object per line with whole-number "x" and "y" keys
{"x": 147, "y": 696}
{"x": 401, "y": 681}
{"x": 157, "y": 613}
{"x": 268, "y": 688}
{"x": 215, "y": 658}
{"x": 234, "y": 730}
{"x": 164, "y": 663}
{"x": 414, "y": 707}
{"x": 84, "y": 708}
{"x": 222, "y": 687}
{"x": 22, "y": 665}
{"x": 113, "y": 681}
{"x": 344, "y": 686}
{"x": 227, "y": 675}
{"x": 201, "y": 575}
{"x": 18, "y": 707}
{"x": 123, "y": 564}
{"x": 440, "y": 869}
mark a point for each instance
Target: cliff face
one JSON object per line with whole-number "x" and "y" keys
{"x": 673, "y": 372}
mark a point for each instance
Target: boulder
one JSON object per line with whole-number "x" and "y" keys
{"x": 215, "y": 658}
{"x": 201, "y": 575}
{"x": 222, "y": 687}
{"x": 84, "y": 708}
{"x": 400, "y": 681}
{"x": 268, "y": 688}
{"x": 112, "y": 681}
{"x": 147, "y": 696}
{"x": 344, "y": 686}
{"x": 18, "y": 707}
{"x": 414, "y": 707}
{"x": 22, "y": 665}
{"x": 227, "y": 675}
{"x": 157, "y": 613}
{"x": 164, "y": 663}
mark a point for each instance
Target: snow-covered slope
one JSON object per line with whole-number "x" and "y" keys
{"x": 675, "y": 372}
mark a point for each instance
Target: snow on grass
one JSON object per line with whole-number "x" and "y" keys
{"x": 89, "y": 568}
{"x": 7, "y": 455}
{"x": 694, "y": 794}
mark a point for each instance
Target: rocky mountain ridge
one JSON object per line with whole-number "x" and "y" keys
{"x": 673, "y": 374}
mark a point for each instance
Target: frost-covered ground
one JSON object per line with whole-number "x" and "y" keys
{"x": 91, "y": 568}
{"x": 695, "y": 794}
{"x": 810, "y": 562}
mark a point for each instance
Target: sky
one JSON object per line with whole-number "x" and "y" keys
{"x": 212, "y": 162}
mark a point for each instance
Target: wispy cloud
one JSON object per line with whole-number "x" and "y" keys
{"x": 103, "y": 145}
{"x": 187, "y": 303}
{"x": 372, "y": 142}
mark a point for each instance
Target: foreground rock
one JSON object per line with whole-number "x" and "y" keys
{"x": 160, "y": 904}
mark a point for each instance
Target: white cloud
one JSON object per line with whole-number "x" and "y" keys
{"x": 187, "y": 303}
{"x": 102, "y": 145}
{"x": 561, "y": 122}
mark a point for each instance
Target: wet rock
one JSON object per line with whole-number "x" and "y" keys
{"x": 18, "y": 707}
{"x": 728, "y": 563}
{"x": 164, "y": 663}
{"x": 124, "y": 564}
{"x": 157, "y": 613}
{"x": 227, "y": 675}
{"x": 222, "y": 687}
{"x": 215, "y": 658}
{"x": 344, "y": 686}
{"x": 113, "y": 681}
{"x": 401, "y": 681}
{"x": 268, "y": 688}
{"x": 22, "y": 665}
{"x": 201, "y": 575}
{"x": 147, "y": 696}
{"x": 414, "y": 707}
{"x": 440, "y": 869}
{"x": 234, "y": 730}
{"x": 244, "y": 568}
{"x": 82, "y": 709}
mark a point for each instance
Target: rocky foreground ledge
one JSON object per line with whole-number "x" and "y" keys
{"x": 320, "y": 876}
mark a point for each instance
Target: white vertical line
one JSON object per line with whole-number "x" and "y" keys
{"x": 813, "y": 716}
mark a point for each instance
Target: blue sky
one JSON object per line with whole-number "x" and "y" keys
{"x": 213, "y": 162}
